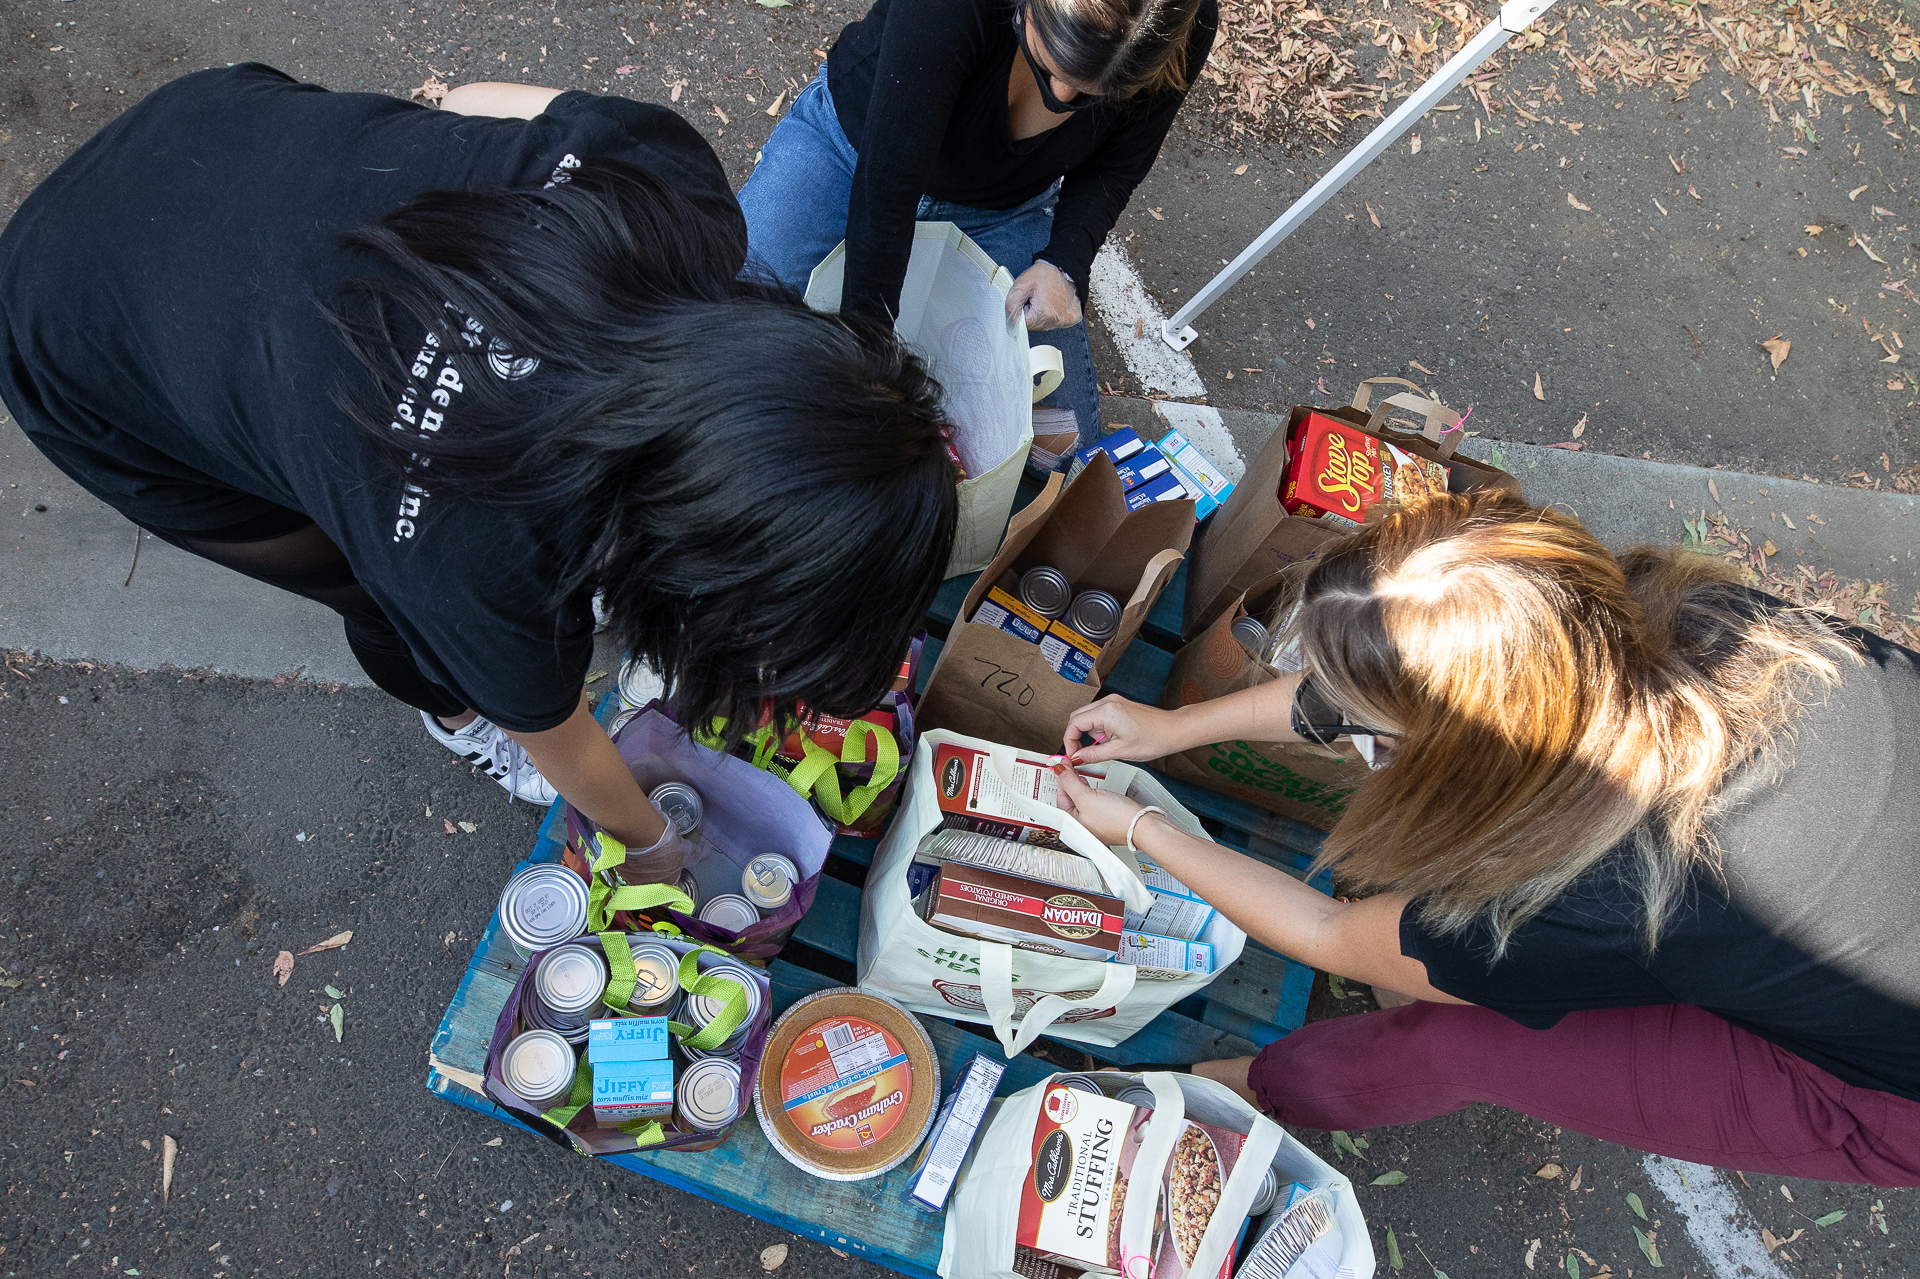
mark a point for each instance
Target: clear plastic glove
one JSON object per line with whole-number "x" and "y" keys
{"x": 1045, "y": 294}
{"x": 661, "y": 863}
{"x": 1122, "y": 730}
{"x": 1106, "y": 813}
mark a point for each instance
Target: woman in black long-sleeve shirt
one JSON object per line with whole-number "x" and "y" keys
{"x": 1027, "y": 123}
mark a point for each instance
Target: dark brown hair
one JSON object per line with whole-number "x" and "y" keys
{"x": 1122, "y": 47}
{"x": 1550, "y": 701}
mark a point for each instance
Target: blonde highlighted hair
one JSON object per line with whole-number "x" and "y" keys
{"x": 1551, "y": 701}
{"x": 1124, "y": 47}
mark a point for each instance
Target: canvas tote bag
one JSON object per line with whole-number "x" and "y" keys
{"x": 953, "y": 315}
{"x": 1022, "y": 994}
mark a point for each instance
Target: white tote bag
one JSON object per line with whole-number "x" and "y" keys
{"x": 984, "y": 1217}
{"x": 953, "y": 315}
{"x": 1020, "y": 993}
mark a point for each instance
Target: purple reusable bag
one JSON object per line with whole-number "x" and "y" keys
{"x": 746, "y": 812}
{"x": 582, "y": 1133}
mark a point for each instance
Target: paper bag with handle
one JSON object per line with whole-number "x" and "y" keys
{"x": 1252, "y": 537}
{"x": 1001, "y": 686}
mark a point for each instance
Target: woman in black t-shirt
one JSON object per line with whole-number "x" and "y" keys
{"x": 448, "y": 373}
{"x": 1026, "y": 124}
{"x": 1640, "y": 845}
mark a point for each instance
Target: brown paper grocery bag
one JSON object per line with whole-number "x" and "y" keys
{"x": 998, "y": 686}
{"x": 1308, "y": 783}
{"x": 1252, "y": 537}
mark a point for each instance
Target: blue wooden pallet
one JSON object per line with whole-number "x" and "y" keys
{"x": 1253, "y": 1002}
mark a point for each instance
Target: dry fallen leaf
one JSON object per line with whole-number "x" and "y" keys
{"x": 1855, "y": 193}
{"x": 836, "y": 1252}
{"x": 283, "y": 966}
{"x": 432, "y": 92}
{"x": 1139, "y": 326}
{"x": 468, "y": 827}
{"x": 1156, "y": 215}
{"x": 494, "y": 1142}
{"x": 1713, "y": 489}
{"x": 1415, "y": 364}
{"x": 1242, "y": 169}
{"x": 1675, "y": 163}
{"x": 673, "y": 90}
{"x": 168, "y": 1149}
{"x": 1416, "y": 144}
{"x": 724, "y": 117}
{"x": 773, "y": 108}
{"x": 449, "y": 826}
{"x": 1311, "y": 324}
{"x": 1575, "y": 1184}
{"x": 1375, "y": 217}
{"x": 1539, "y": 392}
{"x": 1770, "y": 548}
{"x": 773, "y": 1258}
{"x": 338, "y": 1016}
{"x": 1815, "y": 230}
{"x": 1790, "y": 524}
{"x": 1777, "y": 347}
{"x": 332, "y": 943}
{"x": 1571, "y": 446}
{"x": 1580, "y": 427}
{"x": 1584, "y": 208}
{"x": 1548, "y": 1172}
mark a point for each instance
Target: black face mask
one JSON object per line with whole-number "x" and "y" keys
{"x": 1084, "y": 102}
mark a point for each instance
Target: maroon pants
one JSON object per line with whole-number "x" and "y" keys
{"x": 1673, "y": 1080}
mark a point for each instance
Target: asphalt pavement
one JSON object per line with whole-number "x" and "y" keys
{"x": 167, "y": 831}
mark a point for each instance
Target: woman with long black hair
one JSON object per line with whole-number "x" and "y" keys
{"x": 1026, "y": 123}
{"x": 449, "y": 374}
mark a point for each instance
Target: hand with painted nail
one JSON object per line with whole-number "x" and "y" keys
{"x": 1122, "y": 730}
{"x": 1105, "y": 813}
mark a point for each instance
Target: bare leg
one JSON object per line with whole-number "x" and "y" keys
{"x": 1231, "y": 1071}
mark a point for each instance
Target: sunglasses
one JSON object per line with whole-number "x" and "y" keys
{"x": 1317, "y": 719}
{"x": 1044, "y": 78}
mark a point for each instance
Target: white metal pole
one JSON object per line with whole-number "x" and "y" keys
{"x": 1515, "y": 15}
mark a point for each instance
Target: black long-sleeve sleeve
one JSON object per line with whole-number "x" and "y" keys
{"x": 920, "y": 87}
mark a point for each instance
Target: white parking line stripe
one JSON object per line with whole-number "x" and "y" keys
{"x": 1121, "y": 298}
{"x": 1715, "y": 1219}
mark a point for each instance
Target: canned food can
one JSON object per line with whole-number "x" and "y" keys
{"x": 570, "y": 982}
{"x": 1252, "y": 635}
{"x": 638, "y": 684}
{"x": 690, "y": 886}
{"x": 1095, "y": 614}
{"x": 539, "y": 1066}
{"x": 1137, "y": 1095}
{"x": 1079, "y": 1083}
{"x": 695, "y": 1054}
{"x": 679, "y": 803}
{"x": 1263, "y": 1198}
{"x": 621, "y": 720}
{"x": 543, "y": 906}
{"x": 1046, "y": 591}
{"x": 768, "y": 882}
{"x": 708, "y": 1097}
{"x": 729, "y": 911}
{"x": 534, "y": 1015}
{"x": 700, "y": 1010}
{"x": 656, "y": 980}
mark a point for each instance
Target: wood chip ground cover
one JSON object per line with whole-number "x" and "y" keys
{"x": 1302, "y": 70}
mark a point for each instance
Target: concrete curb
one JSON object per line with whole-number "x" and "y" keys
{"x": 64, "y": 556}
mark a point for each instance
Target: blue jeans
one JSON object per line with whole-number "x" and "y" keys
{"x": 796, "y": 207}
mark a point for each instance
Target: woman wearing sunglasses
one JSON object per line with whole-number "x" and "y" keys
{"x": 1643, "y": 851}
{"x": 1027, "y": 125}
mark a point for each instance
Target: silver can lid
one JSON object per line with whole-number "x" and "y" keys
{"x": 1096, "y": 615}
{"x": 768, "y": 881}
{"x": 1046, "y": 591}
{"x": 1263, "y": 1198}
{"x": 679, "y": 803}
{"x": 702, "y": 1009}
{"x": 1079, "y": 1083}
{"x": 1137, "y": 1095}
{"x": 1251, "y": 634}
{"x": 731, "y": 912}
{"x": 543, "y": 906}
{"x": 709, "y": 1094}
{"x": 637, "y": 683}
{"x": 539, "y": 1066}
{"x": 570, "y": 980}
{"x": 656, "y": 976}
{"x": 621, "y": 720}
{"x": 690, "y": 886}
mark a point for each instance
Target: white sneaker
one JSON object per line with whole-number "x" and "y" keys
{"x": 484, "y": 746}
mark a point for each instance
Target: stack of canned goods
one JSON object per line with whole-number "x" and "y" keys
{"x": 656, "y": 981}
{"x": 565, "y": 993}
{"x": 701, "y": 1010}
{"x": 542, "y": 907}
{"x": 1046, "y": 590}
